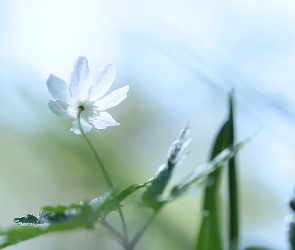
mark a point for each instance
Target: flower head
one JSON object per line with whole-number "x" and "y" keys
{"x": 86, "y": 92}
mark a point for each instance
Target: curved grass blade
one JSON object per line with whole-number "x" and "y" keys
{"x": 210, "y": 236}
{"x": 233, "y": 185}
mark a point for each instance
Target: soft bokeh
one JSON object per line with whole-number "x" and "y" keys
{"x": 180, "y": 58}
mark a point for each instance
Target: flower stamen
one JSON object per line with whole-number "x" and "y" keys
{"x": 81, "y": 108}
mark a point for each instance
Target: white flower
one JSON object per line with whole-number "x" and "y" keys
{"x": 86, "y": 91}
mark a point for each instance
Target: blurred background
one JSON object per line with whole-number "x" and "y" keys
{"x": 180, "y": 58}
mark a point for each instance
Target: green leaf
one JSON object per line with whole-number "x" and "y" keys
{"x": 111, "y": 205}
{"x": 292, "y": 202}
{"x": 291, "y": 234}
{"x": 188, "y": 184}
{"x": 234, "y": 220}
{"x": 49, "y": 215}
{"x": 291, "y": 225}
{"x": 210, "y": 236}
{"x": 18, "y": 234}
{"x": 57, "y": 218}
{"x": 158, "y": 184}
{"x": 47, "y": 221}
{"x": 131, "y": 189}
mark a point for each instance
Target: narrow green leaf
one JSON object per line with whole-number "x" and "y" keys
{"x": 151, "y": 196}
{"x": 210, "y": 234}
{"x": 291, "y": 234}
{"x": 57, "y": 218}
{"x": 49, "y": 215}
{"x": 131, "y": 189}
{"x": 187, "y": 185}
{"x": 46, "y": 222}
{"x": 233, "y": 193}
{"x": 292, "y": 204}
{"x": 18, "y": 234}
{"x": 176, "y": 154}
{"x": 291, "y": 224}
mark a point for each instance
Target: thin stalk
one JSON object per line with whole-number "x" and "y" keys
{"x": 140, "y": 232}
{"x": 233, "y": 206}
{"x": 114, "y": 232}
{"x": 104, "y": 171}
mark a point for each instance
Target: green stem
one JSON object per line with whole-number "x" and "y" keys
{"x": 141, "y": 231}
{"x": 104, "y": 171}
{"x": 114, "y": 232}
{"x": 234, "y": 206}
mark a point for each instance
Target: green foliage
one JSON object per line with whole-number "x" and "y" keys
{"x": 59, "y": 218}
{"x": 85, "y": 215}
{"x": 187, "y": 185}
{"x": 291, "y": 225}
{"x": 234, "y": 220}
{"x": 158, "y": 184}
{"x": 154, "y": 198}
{"x": 47, "y": 222}
{"x": 64, "y": 218}
{"x": 210, "y": 234}
{"x": 292, "y": 204}
{"x": 131, "y": 189}
{"x": 15, "y": 235}
{"x": 291, "y": 234}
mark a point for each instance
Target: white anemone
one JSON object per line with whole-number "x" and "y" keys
{"x": 86, "y": 91}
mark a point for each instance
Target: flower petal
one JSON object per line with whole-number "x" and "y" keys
{"x": 88, "y": 114}
{"x": 102, "y": 81}
{"x": 85, "y": 126}
{"x": 79, "y": 83}
{"x": 112, "y": 99}
{"x": 62, "y": 109}
{"x": 58, "y": 88}
{"x": 104, "y": 120}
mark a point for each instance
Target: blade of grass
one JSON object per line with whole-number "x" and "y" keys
{"x": 233, "y": 185}
{"x": 210, "y": 236}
